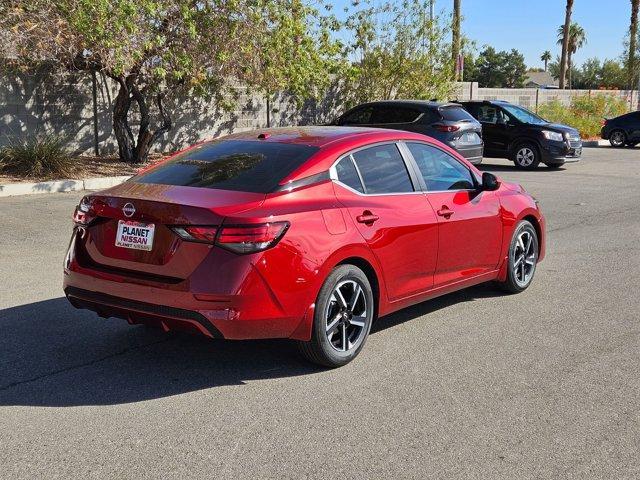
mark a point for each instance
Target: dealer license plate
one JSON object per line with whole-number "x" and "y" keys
{"x": 135, "y": 235}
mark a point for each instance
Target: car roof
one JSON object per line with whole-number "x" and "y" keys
{"x": 331, "y": 141}
{"x": 420, "y": 104}
{"x": 501, "y": 102}
{"x": 317, "y": 136}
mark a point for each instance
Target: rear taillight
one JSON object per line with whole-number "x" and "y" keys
{"x": 84, "y": 214}
{"x": 446, "y": 128}
{"x": 236, "y": 238}
{"x": 603, "y": 122}
{"x": 197, "y": 234}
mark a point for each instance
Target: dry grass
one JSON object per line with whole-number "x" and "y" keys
{"x": 83, "y": 166}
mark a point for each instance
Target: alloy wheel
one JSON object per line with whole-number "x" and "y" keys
{"x": 524, "y": 258}
{"x": 346, "y": 316}
{"x": 525, "y": 157}
{"x": 617, "y": 139}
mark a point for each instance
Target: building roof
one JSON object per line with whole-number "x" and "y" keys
{"x": 540, "y": 79}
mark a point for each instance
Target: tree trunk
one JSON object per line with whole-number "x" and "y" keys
{"x": 545, "y": 65}
{"x": 569, "y": 68}
{"x": 565, "y": 43}
{"x": 130, "y": 150}
{"x": 633, "y": 33}
{"x": 146, "y": 138}
{"x": 455, "y": 37}
{"x": 121, "y": 129}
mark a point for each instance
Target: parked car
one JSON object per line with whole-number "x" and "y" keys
{"x": 513, "y": 132}
{"x": 449, "y": 123}
{"x": 622, "y": 130}
{"x": 302, "y": 233}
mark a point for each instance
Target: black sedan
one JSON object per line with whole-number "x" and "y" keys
{"x": 622, "y": 130}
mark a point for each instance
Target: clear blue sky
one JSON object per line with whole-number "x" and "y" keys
{"x": 530, "y": 25}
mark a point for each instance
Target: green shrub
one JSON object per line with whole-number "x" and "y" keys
{"x": 37, "y": 157}
{"x": 585, "y": 112}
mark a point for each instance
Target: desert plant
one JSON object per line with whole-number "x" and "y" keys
{"x": 585, "y": 112}
{"x": 43, "y": 156}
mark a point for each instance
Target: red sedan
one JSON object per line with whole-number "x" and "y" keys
{"x": 302, "y": 233}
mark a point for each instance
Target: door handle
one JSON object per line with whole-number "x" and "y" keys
{"x": 367, "y": 218}
{"x": 445, "y": 212}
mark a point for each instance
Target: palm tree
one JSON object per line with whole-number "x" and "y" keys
{"x": 633, "y": 33}
{"x": 455, "y": 34}
{"x": 576, "y": 39}
{"x": 545, "y": 57}
{"x": 565, "y": 42}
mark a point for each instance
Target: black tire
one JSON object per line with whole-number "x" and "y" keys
{"x": 513, "y": 284}
{"x": 320, "y": 349}
{"x": 617, "y": 138}
{"x": 526, "y": 156}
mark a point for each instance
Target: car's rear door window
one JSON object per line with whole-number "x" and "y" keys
{"x": 441, "y": 172}
{"x": 383, "y": 170}
{"x": 384, "y": 114}
{"x": 243, "y": 165}
{"x": 348, "y": 174}
{"x": 357, "y": 116}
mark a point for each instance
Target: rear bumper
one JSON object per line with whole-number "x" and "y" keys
{"x": 472, "y": 154}
{"x": 241, "y": 304}
{"x": 168, "y": 318}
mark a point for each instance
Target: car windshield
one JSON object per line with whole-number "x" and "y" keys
{"x": 524, "y": 115}
{"x": 247, "y": 166}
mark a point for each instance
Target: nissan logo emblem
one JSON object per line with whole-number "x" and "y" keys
{"x": 128, "y": 209}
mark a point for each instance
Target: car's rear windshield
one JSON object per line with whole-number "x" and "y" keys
{"x": 243, "y": 165}
{"x": 455, "y": 114}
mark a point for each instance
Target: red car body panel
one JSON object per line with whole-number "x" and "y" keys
{"x": 411, "y": 253}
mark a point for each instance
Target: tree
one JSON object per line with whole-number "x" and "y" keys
{"x": 500, "y": 69}
{"x": 545, "y": 57}
{"x": 632, "y": 61}
{"x": 154, "y": 49}
{"x": 455, "y": 36}
{"x": 576, "y": 39}
{"x": 397, "y": 52}
{"x": 589, "y": 76}
{"x": 565, "y": 43}
{"x": 612, "y": 75}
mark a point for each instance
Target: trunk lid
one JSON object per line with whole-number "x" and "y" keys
{"x": 170, "y": 258}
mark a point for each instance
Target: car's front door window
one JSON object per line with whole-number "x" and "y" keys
{"x": 441, "y": 172}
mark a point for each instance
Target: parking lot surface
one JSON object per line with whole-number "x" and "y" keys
{"x": 476, "y": 384}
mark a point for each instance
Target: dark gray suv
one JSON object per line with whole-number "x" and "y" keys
{"x": 448, "y": 122}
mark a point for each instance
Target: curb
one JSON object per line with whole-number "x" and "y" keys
{"x": 55, "y": 186}
{"x": 595, "y": 143}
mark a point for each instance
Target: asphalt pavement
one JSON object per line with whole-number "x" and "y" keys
{"x": 476, "y": 384}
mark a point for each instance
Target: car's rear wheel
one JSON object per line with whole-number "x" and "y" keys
{"x": 523, "y": 258}
{"x": 526, "y": 156}
{"x": 342, "y": 319}
{"x": 617, "y": 139}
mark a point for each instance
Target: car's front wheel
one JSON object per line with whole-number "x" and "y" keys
{"x": 526, "y": 156}
{"x": 617, "y": 139}
{"x": 342, "y": 319}
{"x": 523, "y": 258}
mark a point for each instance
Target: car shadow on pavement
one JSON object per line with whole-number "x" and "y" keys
{"x": 54, "y": 355}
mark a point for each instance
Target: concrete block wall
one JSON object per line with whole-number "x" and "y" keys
{"x": 43, "y": 103}
{"x": 531, "y": 98}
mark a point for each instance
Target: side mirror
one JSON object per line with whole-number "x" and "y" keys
{"x": 490, "y": 182}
